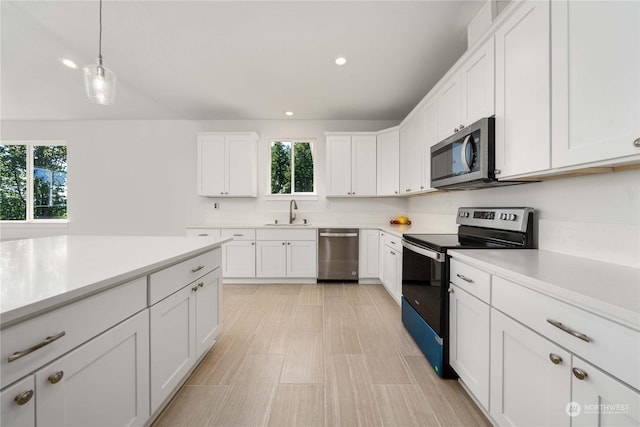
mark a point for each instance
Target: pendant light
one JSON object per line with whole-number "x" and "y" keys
{"x": 99, "y": 81}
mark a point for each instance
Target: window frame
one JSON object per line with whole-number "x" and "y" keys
{"x": 30, "y": 182}
{"x": 298, "y": 195}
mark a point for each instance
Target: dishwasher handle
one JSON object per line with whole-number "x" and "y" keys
{"x": 338, "y": 234}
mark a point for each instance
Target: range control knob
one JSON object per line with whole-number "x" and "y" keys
{"x": 512, "y": 217}
{"x": 503, "y": 216}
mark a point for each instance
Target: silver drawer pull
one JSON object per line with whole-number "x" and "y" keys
{"x": 203, "y": 234}
{"x": 48, "y": 340}
{"x": 466, "y": 279}
{"x": 579, "y": 373}
{"x": 24, "y": 397}
{"x": 198, "y": 268}
{"x": 238, "y": 235}
{"x": 568, "y": 330}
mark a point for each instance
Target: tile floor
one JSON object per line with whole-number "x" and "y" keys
{"x": 316, "y": 355}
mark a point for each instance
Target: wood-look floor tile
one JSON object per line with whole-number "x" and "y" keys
{"x": 298, "y": 405}
{"x": 193, "y": 406}
{"x": 304, "y": 359}
{"x": 290, "y": 289}
{"x": 240, "y": 289}
{"x": 311, "y": 295}
{"x": 337, "y": 306}
{"x": 333, "y": 289}
{"x": 272, "y": 337}
{"x": 221, "y": 364}
{"x": 367, "y": 319}
{"x": 402, "y": 340}
{"x": 385, "y": 364}
{"x": 403, "y": 406}
{"x": 248, "y": 320}
{"x": 349, "y": 398}
{"x": 249, "y": 401}
{"x": 452, "y": 406}
{"x": 357, "y": 295}
{"x": 308, "y": 318}
{"x": 341, "y": 336}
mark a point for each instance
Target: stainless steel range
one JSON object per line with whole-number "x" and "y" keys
{"x": 425, "y": 272}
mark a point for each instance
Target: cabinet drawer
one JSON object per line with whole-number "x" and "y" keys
{"x": 471, "y": 279}
{"x": 80, "y": 321}
{"x": 204, "y": 232}
{"x": 286, "y": 234}
{"x": 393, "y": 241}
{"x": 612, "y": 347}
{"x": 167, "y": 281}
{"x": 239, "y": 233}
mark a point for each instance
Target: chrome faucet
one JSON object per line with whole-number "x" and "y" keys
{"x": 292, "y": 216}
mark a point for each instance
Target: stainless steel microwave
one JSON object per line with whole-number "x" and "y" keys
{"x": 466, "y": 159}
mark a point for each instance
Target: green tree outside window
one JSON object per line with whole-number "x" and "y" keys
{"x": 292, "y": 170}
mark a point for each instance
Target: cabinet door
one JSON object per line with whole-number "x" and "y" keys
{"x": 368, "y": 254}
{"x": 271, "y": 258}
{"x": 338, "y": 165}
{"x": 390, "y": 270}
{"x": 211, "y": 165}
{"x": 449, "y": 100}
{"x": 527, "y": 388}
{"x": 596, "y": 80}
{"x": 302, "y": 259}
{"x": 469, "y": 342}
{"x": 427, "y": 136}
{"x": 241, "y": 165}
{"x": 239, "y": 259}
{"x": 104, "y": 382}
{"x": 410, "y": 158}
{"x": 381, "y": 257}
{"x": 172, "y": 343}
{"x": 603, "y": 401}
{"x": 207, "y": 311}
{"x": 477, "y": 84}
{"x": 363, "y": 165}
{"x": 398, "y": 278}
{"x": 388, "y": 163}
{"x": 23, "y": 414}
{"x": 522, "y": 91}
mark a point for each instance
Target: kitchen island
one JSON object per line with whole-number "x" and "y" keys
{"x": 103, "y": 327}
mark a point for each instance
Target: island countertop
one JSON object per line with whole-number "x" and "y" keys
{"x": 37, "y": 275}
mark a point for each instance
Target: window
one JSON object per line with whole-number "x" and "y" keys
{"x": 292, "y": 167}
{"x": 33, "y": 181}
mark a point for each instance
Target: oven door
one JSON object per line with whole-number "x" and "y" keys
{"x": 424, "y": 284}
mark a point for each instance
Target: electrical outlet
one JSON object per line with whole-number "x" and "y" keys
{"x": 216, "y": 205}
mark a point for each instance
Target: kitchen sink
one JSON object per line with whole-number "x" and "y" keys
{"x": 284, "y": 224}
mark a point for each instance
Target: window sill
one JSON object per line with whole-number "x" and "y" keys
{"x": 43, "y": 223}
{"x": 291, "y": 196}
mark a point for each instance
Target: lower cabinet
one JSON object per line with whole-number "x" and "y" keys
{"x": 239, "y": 259}
{"x": 392, "y": 276}
{"x": 104, "y": 382}
{"x": 183, "y": 326}
{"x": 368, "y": 254}
{"x": 530, "y": 383}
{"x": 279, "y": 259}
{"x": 469, "y": 334}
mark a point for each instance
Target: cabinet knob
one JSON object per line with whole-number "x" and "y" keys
{"x": 253, "y": 243}
{"x": 201, "y": 285}
{"x": 497, "y": 172}
{"x": 461, "y": 127}
{"x": 55, "y": 378}
{"x": 283, "y": 243}
{"x": 450, "y": 290}
{"x": 353, "y": 193}
{"x": 288, "y": 243}
{"x": 407, "y": 190}
{"x": 222, "y": 193}
{"x": 555, "y": 359}
{"x": 195, "y": 289}
{"x": 579, "y": 373}
{"x": 396, "y": 192}
{"x": 636, "y": 143}
{"x": 23, "y": 397}
{"x": 455, "y": 130}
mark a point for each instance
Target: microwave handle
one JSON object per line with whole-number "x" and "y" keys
{"x": 463, "y": 154}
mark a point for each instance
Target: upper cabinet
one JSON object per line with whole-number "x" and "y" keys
{"x": 388, "y": 162}
{"x": 351, "y": 164}
{"x": 522, "y": 119}
{"x": 410, "y": 157}
{"x": 227, "y": 164}
{"x": 595, "y": 69}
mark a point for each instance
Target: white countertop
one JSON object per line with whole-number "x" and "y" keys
{"x": 397, "y": 230}
{"x": 609, "y": 290}
{"x": 39, "y": 274}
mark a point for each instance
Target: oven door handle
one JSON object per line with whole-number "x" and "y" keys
{"x": 424, "y": 251}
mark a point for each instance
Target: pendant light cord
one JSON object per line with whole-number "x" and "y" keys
{"x": 100, "y": 37}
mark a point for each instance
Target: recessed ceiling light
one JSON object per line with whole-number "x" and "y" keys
{"x": 288, "y": 113}
{"x": 69, "y": 63}
{"x": 341, "y": 61}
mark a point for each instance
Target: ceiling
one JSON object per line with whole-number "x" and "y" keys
{"x": 215, "y": 60}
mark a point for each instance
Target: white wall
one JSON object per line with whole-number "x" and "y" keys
{"x": 139, "y": 177}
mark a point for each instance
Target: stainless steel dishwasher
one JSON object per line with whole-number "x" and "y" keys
{"x": 338, "y": 254}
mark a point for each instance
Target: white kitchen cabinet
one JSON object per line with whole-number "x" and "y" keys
{"x": 388, "y": 162}
{"x": 381, "y": 253}
{"x": 469, "y": 335}
{"x": 427, "y": 131}
{"x": 208, "y": 309}
{"x": 450, "y": 108}
{"x": 522, "y": 103}
{"x": 603, "y": 400}
{"x": 595, "y": 66}
{"x": 410, "y": 157}
{"x": 203, "y": 232}
{"x": 477, "y": 84}
{"x": 368, "y": 254}
{"x": 286, "y": 253}
{"x": 530, "y": 382}
{"x": 351, "y": 164}
{"x": 103, "y": 382}
{"x": 393, "y": 266}
{"x": 18, "y": 404}
{"x": 239, "y": 259}
{"x": 227, "y": 164}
